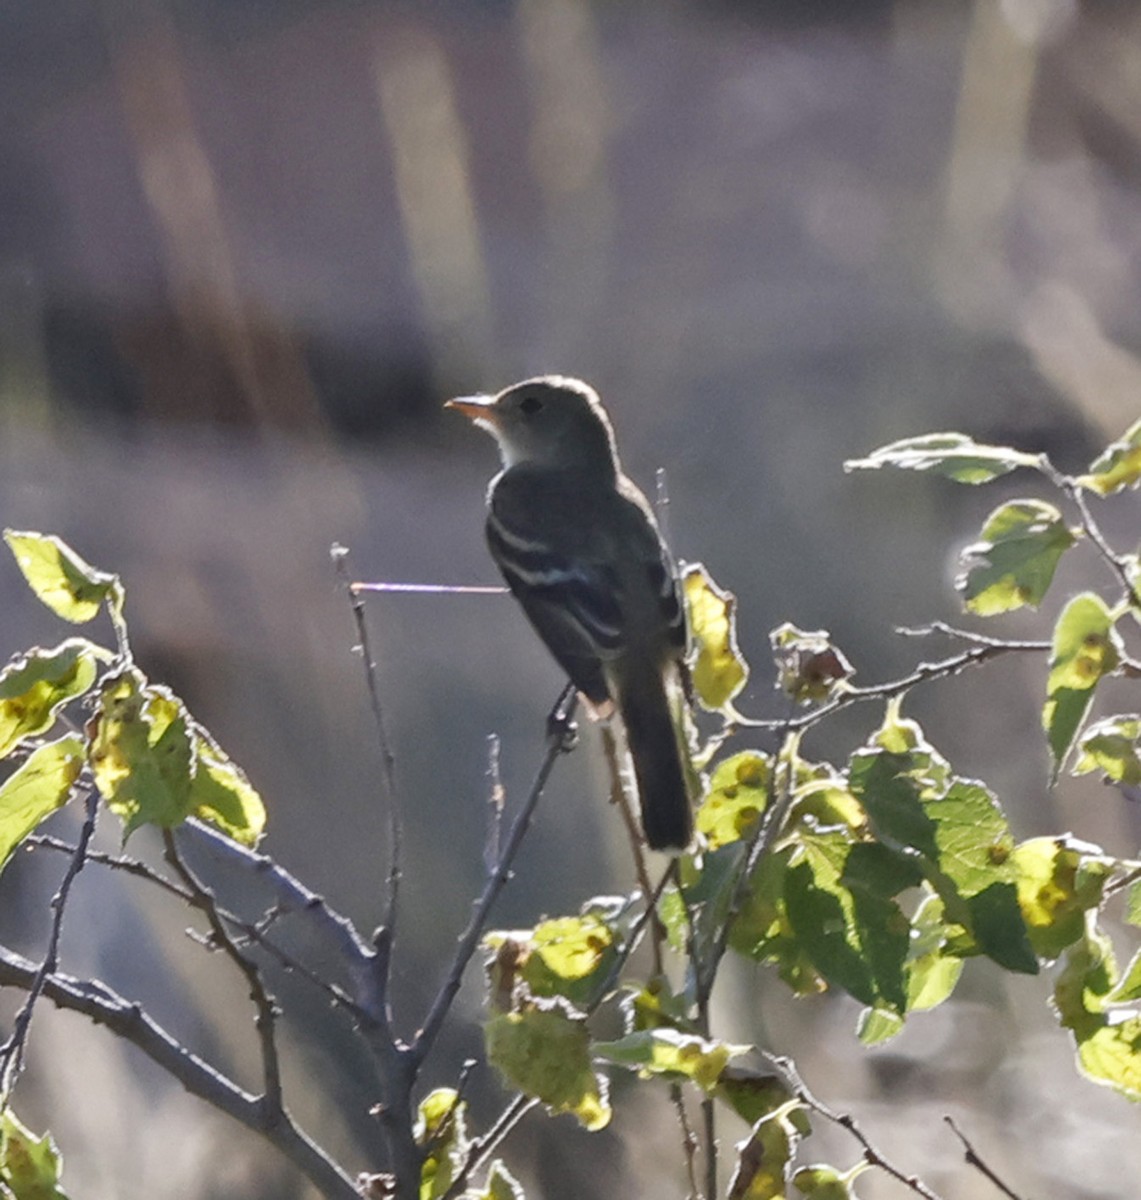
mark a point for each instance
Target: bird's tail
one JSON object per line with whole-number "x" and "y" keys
{"x": 654, "y": 739}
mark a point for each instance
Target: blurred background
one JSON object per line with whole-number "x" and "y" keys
{"x": 248, "y": 248}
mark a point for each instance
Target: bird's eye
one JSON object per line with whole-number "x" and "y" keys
{"x": 530, "y": 405}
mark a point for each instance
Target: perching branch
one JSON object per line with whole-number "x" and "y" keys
{"x": 469, "y": 939}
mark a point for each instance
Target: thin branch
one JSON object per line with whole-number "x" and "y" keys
{"x": 130, "y": 1022}
{"x": 872, "y": 1155}
{"x": 293, "y": 896}
{"x": 250, "y": 932}
{"x": 970, "y": 1154}
{"x": 481, "y": 1149}
{"x": 266, "y": 1020}
{"x": 469, "y": 939}
{"x": 982, "y": 651}
{"x": 496, "y": 799}
{"x": 1118, "y": 564}
{"x": 387, "y": 757}
{"x": 688, "y": 1140}
{"x": 12, "y": 1052}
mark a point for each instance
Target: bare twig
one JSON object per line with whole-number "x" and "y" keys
{"x": 469, "y": 939}
{"x": 255, "y": 933}
{"x": 130, "y": 1022}
{"x": 688, "y": 1140}
{"x": 12, "y": 1052}
{"x": 496, "y": 799}
{"x": 387, "y": 757}
{"x": 481, "y": 1149}
{"x": 972, "y": 1158}
{"x": 265, "y": 1022}
{"x": 982, "y": 651}
{"x": 872, "y": 1155}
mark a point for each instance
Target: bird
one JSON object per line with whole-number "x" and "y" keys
{"x": 579, "y": 548}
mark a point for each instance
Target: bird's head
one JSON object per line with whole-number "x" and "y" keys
{"x": 548, "y": 421}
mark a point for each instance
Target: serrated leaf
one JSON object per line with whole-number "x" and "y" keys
{"x": 29, "y": 1166}
{"x": 1059, "y": 881}
{"x": 221, "y": 794}
{"x": 1127, "y": 989}
{"x": 500, "y": 1185}
{"x": 70, "y": 587}
{"x": 959, "y": 834}
{"x": 1013, "y": 562}
{"x": 753, "y": 1094}
{"x": 544, "y": 1051}
{"x": 822, "y": 1182}
{"x": 764, "y": 1159}
{"x": 1085, "y": 648}
{"x": 1133, "y": 904}
{"x": 37, "y": 789}
{"x": 951, "y": 454}
{"x": 840, "y": 903}
{"x": 440, "y": 1131}
{"x": 737, "y": 796}
{"x": 1119, "y": 466}
{"x": 1112, "y": 746}
{"x": 141, "y": 753}
{"x": 665, "y": 1051}
{"x": 1108, "y": 1043}
{"x": 719, "y": 670}
{"x": 36, "y": 685}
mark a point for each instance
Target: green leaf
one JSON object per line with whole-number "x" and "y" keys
{"x": 29, "y": 1166}
{"x": 763, "y": 931}
{"x": 1014, "y": 561}
{"x": 764, "y": 1159}
{"x": 952, "y": 454}
{"x": 719, "y": 670}
{"x": 737, "y": 796}
{"x": 1112, "y": 746}
{"x": 669, "y": 1052}
{"x": 141, "y": 753}
{"x": 221, "y": 794}
{"x": 840, "y": 905}
{"x": 1059, "y": 880}
{"x": 441, "y": 1132}
{"x": 1128, "y": 988}
{"x": 1133, "y": 904}
{"x": 957, "y": 832}
{"x": 70, "y": 587}
{"x": 809, "y": 667}
{"x": 822, "y": 1182}
{"x": 1108, "y": 1043}
{"x": 501, "y": 1185}
{"x": 37, "y": 789}
{"x": 544, "y": 1051}
{"x": 35, "y": 686}
{"x": 1119, "y": 466}
{"x": 752, "y": 1094}
{"x": 931, "y": 973}
{"x": 1086, "y": 648}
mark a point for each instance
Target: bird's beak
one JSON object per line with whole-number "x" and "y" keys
{"x": 476, "y": 408}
